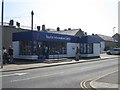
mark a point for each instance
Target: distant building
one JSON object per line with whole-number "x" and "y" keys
{"x": 73, "y": 32}
{"x": 117, "y": 37}
{"x": 106, "y": 42}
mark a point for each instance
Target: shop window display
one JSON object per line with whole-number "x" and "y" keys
{"x": 56, "y": 47}
{"x": 25, "y": 47}
{"x": 37, "y": 47}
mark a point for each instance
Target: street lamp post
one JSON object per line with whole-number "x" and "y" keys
{"x": 32, "y": 13}
{"x": 1, "y": 33}
{"x": 32, "y": 44}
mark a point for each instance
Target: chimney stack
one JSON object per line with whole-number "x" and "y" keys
{"x": 85, "y": 33}
{"x": 65, "y": 29}
{"x": 69, "y": 28}
{"x": 38, "y": 28}
{"x": 11, "y": 23}
{"x": 58, "y": 29}
{"x": 18, "y": 24}
{"x": 43, "y": 27}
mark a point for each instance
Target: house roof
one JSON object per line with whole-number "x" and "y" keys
{"x": 117, "y": 34}
{"x": 72, "y": 32}
{"x": 116, "y": 37}
{"x": 106, "y": 38}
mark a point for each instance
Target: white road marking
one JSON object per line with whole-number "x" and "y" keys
{"x": 36, "y": 77}
{"x": 19, "y": 74}
{"x": 14, "y": 74}
{"x": 84, "y": 83}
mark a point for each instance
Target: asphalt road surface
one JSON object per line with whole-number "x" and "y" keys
{"x": 64, "y": 76}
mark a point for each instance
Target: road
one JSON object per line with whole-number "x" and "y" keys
{"x": 64, "y": 76}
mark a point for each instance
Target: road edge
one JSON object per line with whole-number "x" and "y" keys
{"x": 58, "y": 64}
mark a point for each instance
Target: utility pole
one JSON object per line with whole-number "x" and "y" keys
{"x": 32, "y": 13}
{"x": 1, "y": 34}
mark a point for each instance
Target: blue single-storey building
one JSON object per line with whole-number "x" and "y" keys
{"x": 34, "y": 44}
{"x": 89, "y": 46}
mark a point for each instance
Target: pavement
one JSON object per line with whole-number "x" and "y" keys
{"x": 104, "y": 81}
{"x": 110, "y": 80}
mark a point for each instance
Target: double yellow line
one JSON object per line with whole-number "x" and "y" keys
{"x": 83, "y": 85}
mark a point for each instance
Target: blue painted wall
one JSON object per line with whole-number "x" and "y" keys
{"x": 89, "y": 39}
{"x": 52, "y": 37}
{"x": 44, "y": 36}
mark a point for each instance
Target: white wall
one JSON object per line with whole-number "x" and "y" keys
{"x": 96, "y": 49}
{"x": 29, "y": 57}
{"x": 71, "y": 49}
{"x": 58, "y": 56}
{"x": 16, "y": 49}
{"x": 102, "y": 44}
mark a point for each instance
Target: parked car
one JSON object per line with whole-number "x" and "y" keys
{"x": 115, "y": 51}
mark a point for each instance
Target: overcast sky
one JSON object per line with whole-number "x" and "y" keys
{"x": 92, "y": 16}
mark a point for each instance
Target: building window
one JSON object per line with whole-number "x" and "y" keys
{"x": 56, "y": 47}
{"x": 37, "y": 47}
{"x": 25, "y": 47}
{"x": 86, "y": 48}
{"x": 90, "y": 49}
